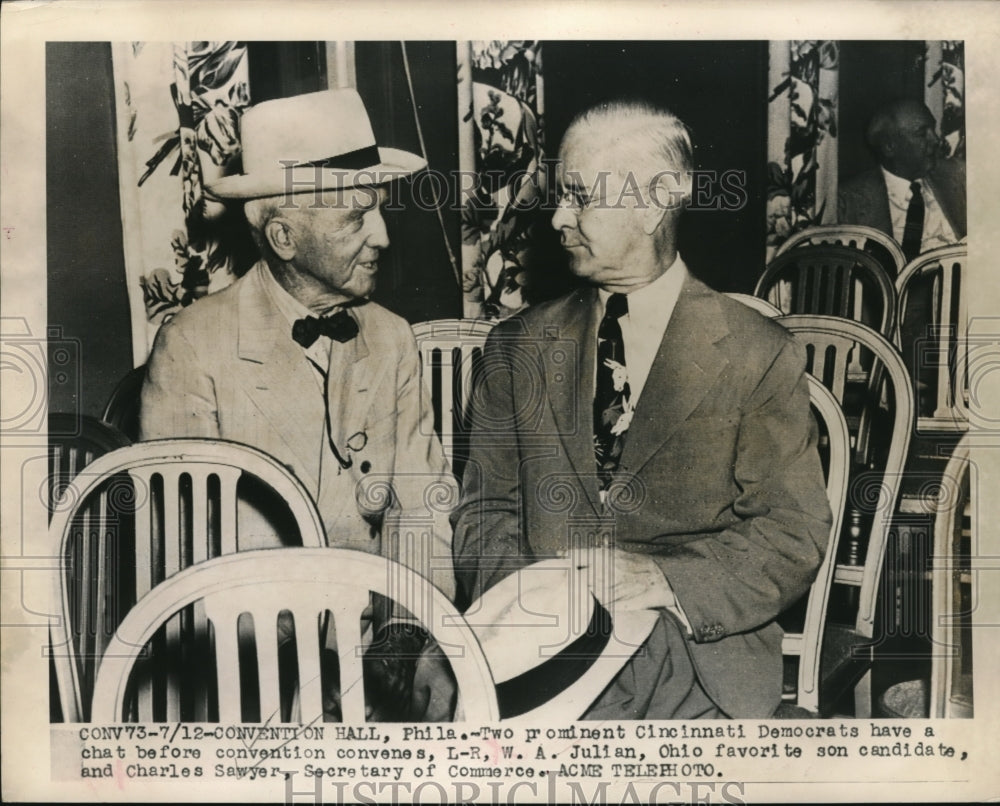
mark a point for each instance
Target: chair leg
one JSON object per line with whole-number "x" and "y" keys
{"x": 863, "y": 697}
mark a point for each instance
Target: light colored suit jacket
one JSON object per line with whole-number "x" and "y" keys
{"x": 720, "y": 479}
{"x": 227, "y": 367}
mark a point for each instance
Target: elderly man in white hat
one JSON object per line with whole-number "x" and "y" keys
{"x": 293, "y": 358}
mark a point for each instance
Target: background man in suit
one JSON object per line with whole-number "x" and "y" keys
{"x": 917, "y": 198}
{"x": 696, "y": 461}
{"x": 293, "y": 358}
{"x": 903, "y": 137}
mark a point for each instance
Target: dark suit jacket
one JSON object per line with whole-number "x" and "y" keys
{"x": 864, "y": 199}
{"x": 722, "y": 481}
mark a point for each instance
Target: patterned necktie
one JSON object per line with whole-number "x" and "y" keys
{"x": 913, "y": 230}
{"x": 612, "y": 404}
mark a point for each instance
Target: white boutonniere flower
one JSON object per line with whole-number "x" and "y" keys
{"x": 622, "y": 424}
{"x": 619, "y": 375}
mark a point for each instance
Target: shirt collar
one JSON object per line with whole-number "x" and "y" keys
{"x": 898, "y": 187}
{"x": 656, "y": 298}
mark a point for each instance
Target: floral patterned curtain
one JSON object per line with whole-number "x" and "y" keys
{"x": 802, "y": 137}
{"x": 179, "y": 107}
{"x": 944, "y": 92}
{"x": 501, "y": 142}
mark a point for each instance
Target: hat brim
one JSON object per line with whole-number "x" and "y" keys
{"x": 510, "y": 613}
{"x": 629, "y": 632}
{"x": 394, "y": 164}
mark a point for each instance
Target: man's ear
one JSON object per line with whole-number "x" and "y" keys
{"x": 652, "y": 216}
{"x": 280, "y": 234}
{"x": 887, "y": 148}
{"x": 668, "y": 194}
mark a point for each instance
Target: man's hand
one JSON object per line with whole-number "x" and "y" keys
{"x": 624, "y": 579}
{"x": 407, "y": 677}
{"x": 434, "y": 688}
{"x": 389, "y": 666}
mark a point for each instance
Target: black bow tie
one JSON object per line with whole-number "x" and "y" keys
{"x": 339, "y": 327}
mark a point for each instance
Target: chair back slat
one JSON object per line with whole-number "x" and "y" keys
{"x": 201, "y": 533}
{"x": 347, "y": 618}
{"x": 265, "y": 627}
{"x": 227, "y": 659}
{"x": 445, "y": 365}
{"x": 148, "y": 530}
{"x": 228, "y": 512}
{"x": 174, "y": 527}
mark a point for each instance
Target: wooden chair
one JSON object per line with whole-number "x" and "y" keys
{"x": 760, "y": 305}
{"x": 136, "y": 516}
{"x": 932, "y": 331}
{"x": 122, "y": 408}
{"x": 450, "y": 350}
{"x": 866, "y": 239}
{"x": 831, "y": 280}
{"x": 312, "y": 586}
{"x": 948, "y": 692}
{"x": 806, "y": 644}
{"x": 874, "y": 488}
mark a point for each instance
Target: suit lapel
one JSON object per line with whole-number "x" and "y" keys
{"x": 881, "y": 215}
{"x": 353, "y": 365}
{"x": 570, "y": 384}
{"x": 946, "y": 204}
{"x": 277, "y": 379}
{"x": 357, "y": 371}
{"x": 684, "y": 370}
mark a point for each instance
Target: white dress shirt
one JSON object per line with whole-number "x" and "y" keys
{"x": 649, "y": 312}
{"x": 937, "y": 230}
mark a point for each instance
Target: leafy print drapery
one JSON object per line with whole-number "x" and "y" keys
{"x": 501, "y": 108}
{"x": 180, "y": 106}
{"x": 803, "y": 130}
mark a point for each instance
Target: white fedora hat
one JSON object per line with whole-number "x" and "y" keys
{"x": 316, "y": 141}
{"x": 551, "y": 646}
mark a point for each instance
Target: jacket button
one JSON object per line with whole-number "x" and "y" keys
{"x": 366, "y": 466}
